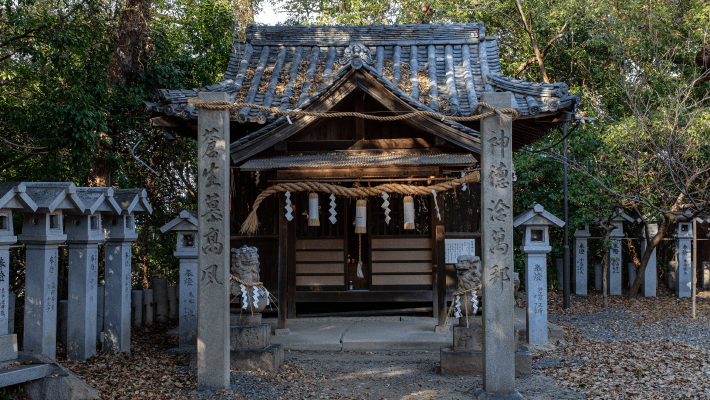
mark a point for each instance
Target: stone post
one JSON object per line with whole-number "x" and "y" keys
{"x": 632, "y": 273}
{"x": 172, "y": 302}
{"x": 101, "y": 297}
{"x": 684, "y": 255}
{"x": 148, "y": 307}
{"x": 137, "y": 308}
{"x": 536, "y": 245}
{"x": 615, "y": 254}
{"x": 598, "y": 277}
{"x": 581, "y": 254}
{"x": 650, "y": 277}
{"x": 186, "y": 251}
{"x": 497, "y": 252}
{"x": 160, "y": 298}
{"x": 559, "y": 266}
{"x": 42, "y": 232}
{"x": 213, "y": 255}
{"x": 120, "y": 233}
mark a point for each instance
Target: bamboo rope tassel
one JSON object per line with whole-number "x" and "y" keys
{"x": 359, "y": 257}
{"x": 313, "y": 219}
{"x": 408, "y": 212}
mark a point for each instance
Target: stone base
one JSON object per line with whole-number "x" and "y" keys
{"x": 8, "y": 347}
{"x": 441, "y": 329}
{"x": 481, "y": 395}
{"x": 282, "y": 331}
{"x": 244, "y": 319}
{"x": 471, "y": 362}
{"x": 249, "y": 337}
{"x": 269, "y": 359}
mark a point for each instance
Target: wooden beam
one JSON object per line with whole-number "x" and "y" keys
{"x": 359, "y": 122}
{"x": 356, "y": 172}
{"x": 389, "y": 144}
{"x": 291, "y": 264}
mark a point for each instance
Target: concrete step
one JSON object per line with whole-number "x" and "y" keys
{"x": 24, "y": 373}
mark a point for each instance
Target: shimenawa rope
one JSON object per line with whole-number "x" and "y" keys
{"x": 251, "y": 224}
{"x": 226, "y": 105}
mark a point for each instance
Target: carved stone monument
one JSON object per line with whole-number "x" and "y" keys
{"x": 615, "y": 254}
{"x": 581, "y": 259}
{"x": 684, "y": 255}
{"x": 250, "y": 346}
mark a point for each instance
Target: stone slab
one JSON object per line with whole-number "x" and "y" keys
{"x": 468, "y": 339}
{"x": 160, "y": 298}
{"x": 685, "y": 267}
{"x": 40, "y": 333}
{"x": 269, "y": 359}
{"x": 245, "y": 319}
{"x": 117, "y": 304}
{"x": 471, "y": 362}
{"x": 78, "y": 327}
{"x": 579, "y": 269}
{"x": 282, "y": 331}
{"x": 441, "y": 329}
{"x": 598, "y": 277}
{"x": 187, "y": 297}
{"x": 249, "y": 337}
{"x": 8, "y": 347}
{"x": 536, "y": 298}
{"x": 614, "y": 273}
{"x": 24, "y": 373}
{"x": 321, "y": 336}
{"x": 378, "y": 335}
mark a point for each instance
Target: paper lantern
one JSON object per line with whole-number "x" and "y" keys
{"x": 361, "y": 216}
{"x": 313, "y": 210}
{"x": 408, "y": 212}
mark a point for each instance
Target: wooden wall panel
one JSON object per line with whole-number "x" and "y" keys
{"x": 413, "y": 243}
{"x": 421, "y": 268}
{"x": 409, "y": 255}
{"x": 319, "y": 244}
{"x": 319, "y": 268}
{"x": 309, "y": 280}
{"x": 401, "y": 279}
{"x": 322, "y": 256}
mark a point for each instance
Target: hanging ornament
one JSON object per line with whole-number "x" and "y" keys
{"x": 386, "y": 206}
{"x": 255, "y": 296}
{"x": 438, "y": 215}
{"x": 408, "y": 212}
{"x": 515, "y": 177}
{"x": 464, "y": 185}
{"x": 361, "y": 216}
{"x": 289, "y": 210}
{"x": 313, "y": 210}
{"x": 332, "y": 210}
{"x": 256, "y": 178}
{"x": 457, "y": 307}
{"x": 245, "y": 296}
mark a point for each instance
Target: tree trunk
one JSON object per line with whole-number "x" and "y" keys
{"x": 651, "y": 244}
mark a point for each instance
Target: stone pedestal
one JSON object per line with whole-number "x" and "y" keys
{"x": 614, "y": 273}
{"x": 706, "y": 275}
{"x": 83, "y": 302}
{"x": 581, "y": 253}
{"x": 650, "y": 277}
{"x": 465, "y": 357}
{"x": 684, "y": 255}
{"x": 250, "y": 345}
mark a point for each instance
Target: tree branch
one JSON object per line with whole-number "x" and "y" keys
{"x": 529, "y": 61}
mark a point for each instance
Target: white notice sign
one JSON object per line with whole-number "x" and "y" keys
{"x": 457, "y": 247}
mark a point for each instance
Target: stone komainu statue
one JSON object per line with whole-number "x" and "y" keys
{"x": 245, "y": 267}
{"x": 469, "y": 271}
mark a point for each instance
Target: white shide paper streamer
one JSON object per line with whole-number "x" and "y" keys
{"x": 386, "y": 206}
{"x": 289, "y": 210}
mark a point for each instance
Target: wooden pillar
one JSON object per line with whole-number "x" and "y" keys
{"x": 440, "y": 259}
{"x": 291, "y": 263}
{"x": 283, "y": 262}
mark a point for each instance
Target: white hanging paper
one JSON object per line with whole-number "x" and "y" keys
{"x": 457, "y": 307}
{"x": 255, "y": 296}
{"x": 474, "y": 302}
{"x": 386, "y": 206}
{"x": 256, "y": 178}
{"x": 359, "y": 270}
{"x": 438, "y": 215}
{"x": 267, "y": 297}
{"x": 245, "y": 296}
{"x": 464, "y": 185}
{"x": 289, "y": 210}
{"x": 333, "y": 213}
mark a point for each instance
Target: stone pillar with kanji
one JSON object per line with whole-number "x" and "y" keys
{"x": 580, "y": 250}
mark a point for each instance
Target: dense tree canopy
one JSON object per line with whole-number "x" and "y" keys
{"x": 74, "y": 75}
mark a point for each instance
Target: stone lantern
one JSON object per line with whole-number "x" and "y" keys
{"x": 42, "y": 232}
{"x": 13, "y": 196}
{"x": 84, "y": 234}
{"x": 120, "y": 231}
{"x": 536, "y": 245}
{"x": 684, "y": 255}
{"x": 187, "y": 244}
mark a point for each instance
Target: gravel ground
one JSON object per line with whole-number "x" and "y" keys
{"x": 619, "y": 324}
{"x": 373, "y": 375}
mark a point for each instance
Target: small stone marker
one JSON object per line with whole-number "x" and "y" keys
{"x": 581, "y": 254}
{"x": 172, "y": 302}
{"x": 536, "y": 244}
{"x": 160, "y": 298}
{"x": 559, "y": 266}
{"x": 497, "y": 252}
{"x": 615, "y": 254}
{"x": 187, "y": 244}
{"x": 650, "y": 280}
{"x": 101, "y": 299}
{"x": 684, "y": 255}
{"x": 632, "y": 273}
{"x": 598, "y": 275}
{"x": 148, "y": 307}
{"x": 213, "y": 254}
{"x": 136, "y": 308}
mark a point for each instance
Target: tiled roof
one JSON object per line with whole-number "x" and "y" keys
{"x": 444, "y": 67}
{"x": 360, "y": 160}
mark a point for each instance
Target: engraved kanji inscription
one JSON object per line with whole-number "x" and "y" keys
{"x": 499, "y": 274}
{"x": 214, "y": 145}
{"x": 500, "y": 246}
{"x": 501, "y": 141}
{"x": 209, "y": 275}
{"x": 498, "y": 210}
{"x": 211, "y": 175}
{"x": 213, "y": 212}
{"x": 213, "y": 245}
{"x": 499, "y": 176}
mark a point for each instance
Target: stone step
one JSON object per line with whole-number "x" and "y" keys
{"x": 24, "y": 373}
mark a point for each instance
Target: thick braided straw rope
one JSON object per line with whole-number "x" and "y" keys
{"x": 251, "y": 224}
{"x": 463, "y": 293}
{"x": 225, "y": 105}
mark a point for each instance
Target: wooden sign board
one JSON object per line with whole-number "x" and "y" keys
{"x": 457, "y": 247}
